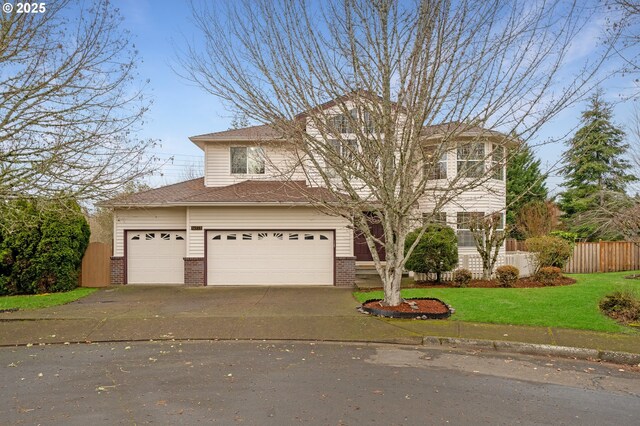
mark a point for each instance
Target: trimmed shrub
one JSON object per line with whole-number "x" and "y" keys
{"x": 43, "y": 252}
{"x": 550, "y": 251}
{"x": 436, "y": 252}
{"x": 507, "y": 275}
{"x": 622, "y": 306}
{"x": 548, "y": 275}
{"x": 462, "y": 277}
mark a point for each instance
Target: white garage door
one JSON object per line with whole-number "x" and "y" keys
{"x": 156, "y": 257}
{"x": 269, "y": 257}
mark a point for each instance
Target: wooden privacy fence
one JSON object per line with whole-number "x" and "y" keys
{"x": 512, "y": 244}
{"x": 604, "y": 256}
{"x": 96, "y": 266}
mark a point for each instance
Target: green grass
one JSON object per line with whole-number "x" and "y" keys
{"x": 573, "y": 306}
{"x": 38, "y": 301}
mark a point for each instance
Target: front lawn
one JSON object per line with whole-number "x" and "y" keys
{"x": 37, "y": 301}
{"x": 573, "y": 306}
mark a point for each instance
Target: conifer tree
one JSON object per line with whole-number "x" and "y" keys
{"x": 525, "y": 183}
{"x": 595, "y": 169}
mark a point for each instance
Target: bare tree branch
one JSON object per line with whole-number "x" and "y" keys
{"x": 69, "y": 103}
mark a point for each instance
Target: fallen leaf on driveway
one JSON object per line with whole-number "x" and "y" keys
{"x": 104, "y": 388}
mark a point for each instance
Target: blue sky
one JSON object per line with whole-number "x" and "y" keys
{"x": 181, "y": 110}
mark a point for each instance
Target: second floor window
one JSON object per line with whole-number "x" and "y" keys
{"x": 471, "y": 160}
{"x": 497, "y": 161}
{"x": 345, "y": 150}
{"x": 247, "y": 160}
{"x": 435, "y": 163}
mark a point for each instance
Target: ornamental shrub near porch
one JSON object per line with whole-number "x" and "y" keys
{"x": 436, "y": 252}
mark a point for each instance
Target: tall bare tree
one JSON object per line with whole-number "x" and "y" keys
{"x": 357, "y": 88}
{"x": 70, "y": 103}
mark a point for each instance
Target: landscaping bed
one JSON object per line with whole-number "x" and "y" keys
{"x": 423, "y": 308}
{"x": 520, "y": 283}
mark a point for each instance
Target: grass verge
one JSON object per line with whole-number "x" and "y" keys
{"x": 37, "y": 301}
{"x": 574, "y": 306}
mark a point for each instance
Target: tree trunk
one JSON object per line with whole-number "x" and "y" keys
{"x": 392, "y": 296}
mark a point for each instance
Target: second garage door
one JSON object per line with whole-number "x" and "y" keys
{"x": 270, "y": 257}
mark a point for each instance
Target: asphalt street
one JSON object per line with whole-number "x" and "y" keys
{"x": 268, "y": 383}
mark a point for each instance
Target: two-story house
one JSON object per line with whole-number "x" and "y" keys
{"x": 244, "y": 223}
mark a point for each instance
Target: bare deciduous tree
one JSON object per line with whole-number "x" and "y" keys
{"x": 537, "y": 218}
{"x": 358, "y": 87}
{"x": 68, "y": 103}
{"x": 488, "y": 235}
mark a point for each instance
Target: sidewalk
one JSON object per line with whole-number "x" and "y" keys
{"x": 320, "y": 314}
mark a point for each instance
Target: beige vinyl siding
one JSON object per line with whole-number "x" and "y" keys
{"x": 145, "y": 218}
{"x": 257, "y": 218}
{"x": 279, "y": 165}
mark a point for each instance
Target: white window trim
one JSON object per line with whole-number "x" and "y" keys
{"x": 247, "y": 148}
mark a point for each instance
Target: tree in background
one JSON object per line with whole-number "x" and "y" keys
{"x": 536, "y": 218}
{"x": 525, "y": 184}
{"x": 435, "y": 253}
{"x": 595, "y": 169}
{"x": 69, "y": 103}
{"x": 44, "y": 252}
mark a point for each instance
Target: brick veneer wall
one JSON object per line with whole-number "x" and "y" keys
{"x": 194, "y": 271}
{"x": 345, "y": 271}
{"x": 117, "y": 270}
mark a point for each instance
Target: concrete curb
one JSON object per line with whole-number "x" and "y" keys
{"x": 536, "y": 349}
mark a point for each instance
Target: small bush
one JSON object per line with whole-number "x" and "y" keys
{"x": 548, "y": 275}
{"x": 507, "y": 275}
{"x": 550, "y": 251}
{"x": 461, "y": 277}
{"x": 622, "y": 306}
{"x": 437, "y": 251}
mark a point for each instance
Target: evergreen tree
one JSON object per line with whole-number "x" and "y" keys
{"x": 595, "y": 169}
{"x": 525, "y": 184}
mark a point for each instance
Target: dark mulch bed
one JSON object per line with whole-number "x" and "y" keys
{"x": 521, "y": 283}
{"x": 426, "y": 308}
{"x": 633, "y": 277}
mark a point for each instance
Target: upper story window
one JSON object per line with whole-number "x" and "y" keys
{"x": 497, "y": 161}
{"x": 346, "y": 149}
{"x": 343, "y": 124}
{"x": 247, "y": 160}
{"x": 471, "y": 160}
{"x": 435, "y": 163}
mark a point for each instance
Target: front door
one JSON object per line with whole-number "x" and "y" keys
{"x": 360, "y": 248}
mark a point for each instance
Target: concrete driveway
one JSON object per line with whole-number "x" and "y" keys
{"x": 131, "y": 312}
{"x": 146, "y": 301}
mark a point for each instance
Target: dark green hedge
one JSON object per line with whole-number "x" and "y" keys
{"x": 436, "y": 252}
{"x": 41, "y": 246}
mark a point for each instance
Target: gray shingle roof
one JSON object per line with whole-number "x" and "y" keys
{"x": 250, "y": 191}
